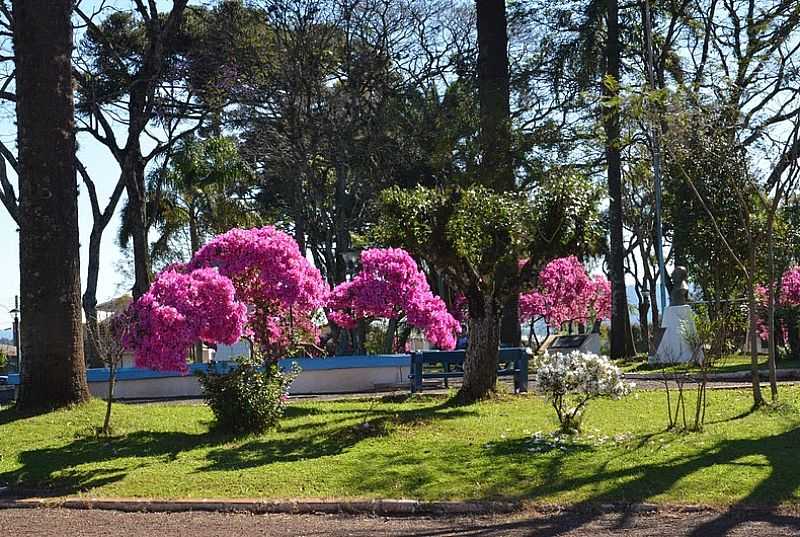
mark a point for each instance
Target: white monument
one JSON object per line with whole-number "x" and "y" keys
{"x": 673, "y": 348}
{"x": 676, "y": 323}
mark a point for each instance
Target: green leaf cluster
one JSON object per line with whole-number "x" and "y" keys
{"x": 474, "y": 234}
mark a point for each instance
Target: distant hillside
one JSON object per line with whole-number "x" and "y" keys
{"x": 6, "y": 334}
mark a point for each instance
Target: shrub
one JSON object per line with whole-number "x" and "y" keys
{"x": 570, "y": 381}
{"x": 250, "y": 398}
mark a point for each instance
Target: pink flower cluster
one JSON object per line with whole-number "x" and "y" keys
{"x": 789, "y": 297}
{"x": 270, "y": 274}
{"x": 266, "y": 265}
{"x": 391, "y": 285}
{"x": 566, "y": 293}
{"x": 244, "y": 282}
{"x": 790, "y": 287}
{"x": 179, "y": 309}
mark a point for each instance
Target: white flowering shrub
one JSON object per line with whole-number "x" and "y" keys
{"x": 570, "y": 381}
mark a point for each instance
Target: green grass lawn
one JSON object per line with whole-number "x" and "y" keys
{"x": 729, "y": 364}
{"x": 417, "y": 448}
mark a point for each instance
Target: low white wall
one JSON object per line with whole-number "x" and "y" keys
{"x": 349, "y": 380}
{"x": 150, "y": 388}
{"x": 366, "y": 379}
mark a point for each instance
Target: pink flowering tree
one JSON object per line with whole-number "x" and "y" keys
{"x": 790, "y": 287}
{"x": 252, "y": 283}
{"x": 280, "y": 287}
{"x": 565, "y": 294}
{"x": 789, "y": 309}
{"x": 391, "y": 286}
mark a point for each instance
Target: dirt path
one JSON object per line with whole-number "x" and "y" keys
{"x": 77, "y": 523}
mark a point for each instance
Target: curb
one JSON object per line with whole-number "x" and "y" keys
{"x": 366, "y": 507}
{"x": 386, "y": 507}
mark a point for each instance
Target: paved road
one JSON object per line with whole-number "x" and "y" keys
{"x": 76, "y": 523}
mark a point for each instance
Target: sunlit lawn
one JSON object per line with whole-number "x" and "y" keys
{"x": 728, "y": 364}
{"x": 415, "y": 448}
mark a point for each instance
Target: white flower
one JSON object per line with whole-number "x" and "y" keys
{"x": 569, "y": 381}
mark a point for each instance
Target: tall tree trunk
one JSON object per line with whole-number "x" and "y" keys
{"x": 100, "y": 220}
{"x": 758, "y": 399}
{"x": 480, "y": 362}
{"x": 773, "y": 378}
{"x": 341, "y": 229}
{"x": 621, "y": 343}
{"x": 141, "y": 103}
{"x": 133, "y": 169}
{"x": 654, "y": 315}
{"x": 389, "y": 337}
{"x": 494, "y": 95}
{"x": 510, "y": 329}
{"x": 53, "y": 370}
{"x": 495, "y": 135}
{"x": 194, "y": 246}
{"x": 93, "y": 357}
{"x": 644, "y": 323}
{"x": 300, "y": 231}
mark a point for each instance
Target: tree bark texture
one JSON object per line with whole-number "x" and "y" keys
{"x": 494, "y": 95}
{"x": 480, "y": 361}
{"x": 53, "y": 369}
{"x": 621, "y": 341}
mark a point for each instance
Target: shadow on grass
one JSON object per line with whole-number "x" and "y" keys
{"x": 9, "y": 414}
{"x": 92, "y": 462}
{"x": 84, "y": 463}
{"x": 88, "y": 462}
{"x": 339, "y": 434}
{"x": 641, "y": 483}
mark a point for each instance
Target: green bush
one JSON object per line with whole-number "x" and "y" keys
{"x": 248, "y": 399}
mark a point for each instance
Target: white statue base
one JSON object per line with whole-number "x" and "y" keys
{"x": 674, "y": 347}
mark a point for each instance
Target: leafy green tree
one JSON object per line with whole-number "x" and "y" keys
{"x": 472, "y": 235}
{"x": 127, "y": 79}
{"x": 203, "y": 190}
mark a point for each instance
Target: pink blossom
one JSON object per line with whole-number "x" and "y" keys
{"x": 179, "y": 309}
{"x": 790, "y": 287}
{"x": 602, "y": 300}
{"x": 789, "y": 297}
{"x": 252, "y": 282}
{"x": 566, "y": 293}
{"x": 266, "y": 265}
{"x": 389, "y": 286}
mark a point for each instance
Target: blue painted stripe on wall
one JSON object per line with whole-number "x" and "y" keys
{"x": 306, "y": 364}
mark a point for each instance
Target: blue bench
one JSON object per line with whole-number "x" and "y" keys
{"x": 512, "y": 362}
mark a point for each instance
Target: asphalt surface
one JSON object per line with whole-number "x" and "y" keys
{"x": 88, "y": 523}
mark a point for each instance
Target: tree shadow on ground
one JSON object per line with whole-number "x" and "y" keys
{"x": 88, "y": 462}
{"x": 73, "y": 468}
{"x": 337, "y": 435}
{"x": 598, "y": 522}
{"x": 641, "y": 483}
{"x": 10, "y": 414}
